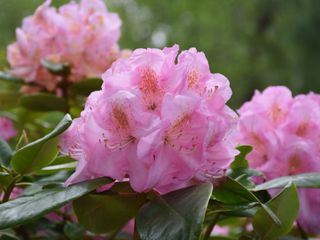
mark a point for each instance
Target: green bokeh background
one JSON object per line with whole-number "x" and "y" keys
{"x": 255, "y": 43}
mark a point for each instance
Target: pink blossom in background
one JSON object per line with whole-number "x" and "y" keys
{"x": 84, "y": 35}
{"x": 7, "y": 130}
{"x": 220, "y": 231}
{"x": 285, "y": 134}
{"x": 163, "y": 125}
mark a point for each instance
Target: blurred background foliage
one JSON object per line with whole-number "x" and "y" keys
{"x": 254, "y": 43}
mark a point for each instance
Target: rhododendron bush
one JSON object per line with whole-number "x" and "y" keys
{"x": 102, "y": 143}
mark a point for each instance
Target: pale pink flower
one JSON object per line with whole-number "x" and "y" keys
{"x": 163, "y": 125}
{"x": 83, "y": 35}
{"x": 285, "y": 134}
{"x": 7, "y": 130}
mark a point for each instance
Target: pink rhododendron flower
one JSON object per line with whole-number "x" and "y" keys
{"x": 84, "y": 35}
{"x": 7, "y": 130}
{"x": 285, "y": 134}
{"x": 161, "y": 124}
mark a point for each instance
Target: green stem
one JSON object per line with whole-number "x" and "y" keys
{"x": 210, "y": 227}
{"x": 9, "y": 189}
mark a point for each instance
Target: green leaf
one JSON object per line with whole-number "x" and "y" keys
{"x": 9, "y": 99}
{"x": 305, "y": 180}
{"x": 86, "y": 86}
{"x": 57, "y": 168}
{"x": 244, "y": 210}
{"x": 103, "y": 213}
{"x": 56, "y": 68}
{"x": 73, "y": 231}
{"x": 239, "y": 168}
{"x": 41, "y": 152}
{"x": 240, "y": 160}
{"x": 28, "y": 208}
{"x": 285, "y": 205}
{"x": 62, "y": 159}
{"x": 176, "y": 215}
{"x": 43, "y": 102}
{"x": 230, "y": 191}
{"x": 5, "y": 153}
{"x": 8, "y": 77}
{"x": 5, "y": 179}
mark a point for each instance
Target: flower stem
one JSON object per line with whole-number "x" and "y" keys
{"x": 210, "y": 227}
{"x": 9, "y": 189}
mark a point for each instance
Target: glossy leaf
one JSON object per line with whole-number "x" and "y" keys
{"x": 5, "y": 153}
{"x": 56, "y": 68}
{"x": 56, "y": 168}
{"x": 43, "y": 102}
{"x": 103, "y": 213}
{"x": 230, "y": 191}
{"x": 25, "y": 209}
{"x": 244, "y": 210}
{"x": 176, "y": 215}
{"x": 285, "y": 205}
{"x": 305, "y": 180}
{"x": 41, "y": 152}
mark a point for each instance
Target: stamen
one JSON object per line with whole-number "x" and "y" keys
{"x": 120, "y": 118}
{"x": 193, "y": 78}
{"x": 302, "y": 129}
{"x": 150, "y": 88}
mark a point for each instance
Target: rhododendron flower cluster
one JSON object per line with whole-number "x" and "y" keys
{"x": 83, "y": 35}
{"x": 7, "y": 130}
{"x": 285, "y": 134}
{"x": 162, "y": 125}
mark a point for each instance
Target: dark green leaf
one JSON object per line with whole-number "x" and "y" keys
{"x": 56, "y": 68}
{"x": 43, "y": 102}
{"x": 5, "y": 153}
{"x": 244, "y": 210}
{"x": 41, "y": 152}
{"x": 25, "y": 209}
{"x": 103, "y": 213}
{"x": 85, "y": 87}
{"x": 176, "y": 215}
{"x": 305, "y": 180}
{"x": 55, "y": 179}
{"x": 230, "y": 191}
{"x": 285, "y": 205}
{"x": 9, "y": 99}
